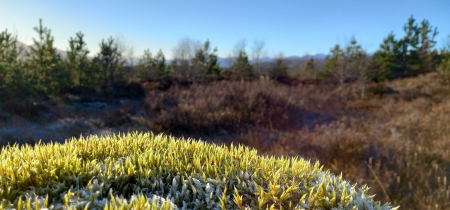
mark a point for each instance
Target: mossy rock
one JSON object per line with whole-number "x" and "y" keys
{"x": 143, "y": 171}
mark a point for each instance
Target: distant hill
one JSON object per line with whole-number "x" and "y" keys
{"x": 291, "y": 61}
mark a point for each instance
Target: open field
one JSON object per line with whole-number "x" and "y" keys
{"x": 396, "y": 140}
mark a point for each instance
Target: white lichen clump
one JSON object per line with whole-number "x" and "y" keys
{"x": 143, "y": 171}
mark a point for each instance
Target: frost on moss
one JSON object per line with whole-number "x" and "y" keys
{"x": 143, "y": 171}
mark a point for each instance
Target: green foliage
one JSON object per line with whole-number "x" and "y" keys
{"x": 46, "y": 71}
{"x": 242, "y": 65}
{"x": 385, "y": 58}
{"x": 108, "y": 61}
{"x": 10, "y": 74}
{"x": 279, "y": 70}
{"x": 333, "y": 61}
{"x": 330, "y": 62}
{"x": 311, "y": 69}
{"x": 427, "y": 55}
{"x": 444, "y": 66}
{"x": 9, "y": 50}
{"x": 143, "y": 171}
{"x": 205, "y": 60}
{"x": 411, "y": 55}
{"x": 160, "y": 64}
{"x": 152, "y": 67}
{"x": 78, "y": 64}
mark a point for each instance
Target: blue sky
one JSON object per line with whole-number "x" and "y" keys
{"x": 291, "y": 27}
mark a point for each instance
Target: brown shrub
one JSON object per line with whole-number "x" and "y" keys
{"x": 395, "y": 140}
{"x": 231, "y": 107}
{"x": 116, "y": 117}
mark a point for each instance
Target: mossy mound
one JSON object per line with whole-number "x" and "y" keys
{"x": 143, "y": 171}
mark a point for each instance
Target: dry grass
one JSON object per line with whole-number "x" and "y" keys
{"x": 396, "y": 140}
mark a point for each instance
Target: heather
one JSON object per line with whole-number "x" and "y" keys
{"x": 395, "y": 140}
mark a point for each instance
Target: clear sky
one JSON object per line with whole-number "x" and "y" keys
{"x": 292, "y": 27}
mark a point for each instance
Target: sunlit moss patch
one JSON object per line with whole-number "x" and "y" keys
{"x": 143, "y": 171}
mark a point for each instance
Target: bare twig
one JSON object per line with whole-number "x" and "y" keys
{"x": 379, "y": 182}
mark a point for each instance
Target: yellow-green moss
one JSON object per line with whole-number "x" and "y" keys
{"x": 143, "y": 171}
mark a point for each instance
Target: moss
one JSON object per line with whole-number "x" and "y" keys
{"x": 161, "y": 172}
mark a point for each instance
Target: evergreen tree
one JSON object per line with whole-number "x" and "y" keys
{"x": 199, "y": 60}
{"x": 335, "y": 64}
{"x": 10, "y": 74}
{"x": 171, "y": 67}
{"x": 242, "y": 65}
{"x": 386, "y": 58}
{"x": 77, "y": 61}
{"x": 427, "y": 55}
{"x": 416, "y": 48}
{"x": 48, "y": 72}
{"x": 206, "y": 61}
{"x": 311, "y": 69}
{"x": 354, "y": 56}
{"x": 9, "y": 50}
{"x": 330, "y": 63}
{"x": 145, "y": 69}
{"x": 279, "y": 70}
{"x": 409, "y": 56}
{"x": 110, "y": 62}
{"x": 213, "y": 66}
{"x": 160, "y": 63}
{"x": 444, "y": 65}
{"x": 152, "y": 67}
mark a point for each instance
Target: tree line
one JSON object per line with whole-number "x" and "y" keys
{"x": 44, "y": 71}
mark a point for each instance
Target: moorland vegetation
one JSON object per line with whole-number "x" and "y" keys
{"x": 379, "y": 119}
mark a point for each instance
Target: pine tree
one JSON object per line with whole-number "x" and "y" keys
{"x": 152, "y": 67}
{"x": 213, "y": 66}
{"x": 211, "y": 60}
{"x": 444, "y": 56}
{"x": 408, "y": 58}
{"x": 77, "y": 61}
{"x": 413, "y": 54}
{"x": 311, "y": 69}
{"x": 10, "y": 74}
{"x": 427, "y": 55}
{"x": 145, "y": 69}
{"x": 386, "y": 58}
{"x": 330, "y": 63}
{"x": 160, "y": 63}
{"x": 279, "y": 70}
{"x": 9, "y": 50}
{"x": 108, "y": 60}
{"x": 48, "y": 72}
{"x": 444, "y": 66}
{"x": 205, "y": 60}
{"x": 335, "y": 64}
{"x": 242, "y": 65}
